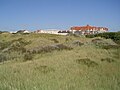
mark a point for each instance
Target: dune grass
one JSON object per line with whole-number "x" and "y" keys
{"x": 85, "y": 67}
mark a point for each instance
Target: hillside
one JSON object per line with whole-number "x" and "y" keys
{"x": 54, "y": 62}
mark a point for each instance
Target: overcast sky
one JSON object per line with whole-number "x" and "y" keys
{"x": 58, "y": 14}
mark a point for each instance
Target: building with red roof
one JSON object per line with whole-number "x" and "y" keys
{"x": 86, "y": 30}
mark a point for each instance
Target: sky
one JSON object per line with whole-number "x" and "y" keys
{"x": 58, "y": 14}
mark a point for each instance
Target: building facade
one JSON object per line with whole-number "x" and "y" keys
{"x": 53, "y": 31}
{"x": 86, "y": 30}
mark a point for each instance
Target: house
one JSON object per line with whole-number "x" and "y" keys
{"x": 86, "y": 30}
{"x": 23, "y": 31}
{"x": 49, "y": 31}
{"x": 65, "y": 32}
{"x": 53, "y": 31}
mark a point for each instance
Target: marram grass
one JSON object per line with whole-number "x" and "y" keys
{"x": 85, "y": 67}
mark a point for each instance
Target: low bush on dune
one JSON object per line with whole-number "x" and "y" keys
{"x": 28, "y": 56}
{"x": 4, "y": 45}
{"x": 104, "y": 44}
{"x": 63, "y": 47}
{"x": 14, "y": 45}
{"x": 110, "y": 60}
{"x": 18, "y": 46}
{"x": 111, "y": 47}
{"x": 13, "y": 49}
{"x": 99, "y": 41}
{"x": 44, "y": 69}
{"x": 50, "y": 48}
{"x": 47, "y": 49}
{"x": 54, "y": 40}
{"x": 115, "y": 36}
{"x": 77, "y": 43}
{"x": 87, "y": 62}
{"x": 3, "y": 58}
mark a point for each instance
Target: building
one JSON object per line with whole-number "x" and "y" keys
{"x": 53, "y": 31}
{"x": 47, "y": 31}
{"x": 23, "y": 31}
{"x": 86, "y": 30}
{"x": 65, "y": 32}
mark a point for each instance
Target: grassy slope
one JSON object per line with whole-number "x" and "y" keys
{"x": 59, "y": 70}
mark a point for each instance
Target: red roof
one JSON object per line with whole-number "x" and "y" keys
{"x": 88, "y": 27}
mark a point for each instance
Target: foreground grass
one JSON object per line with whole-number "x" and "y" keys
{"x": 85, "y": 67}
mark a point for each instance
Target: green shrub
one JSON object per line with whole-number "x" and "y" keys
{"x": 90, "y": 36}
{"x": 105, "y": 44}
{"x": 115, "y": 36}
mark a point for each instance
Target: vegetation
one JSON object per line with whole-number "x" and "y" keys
{"x": 110, "y": 60}
{"x": 115, "y": 36}
{"x": 87, "y": 62}
{"x": 54, "y": 62}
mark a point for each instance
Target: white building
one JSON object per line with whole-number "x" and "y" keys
{"x": 53, "y": 31}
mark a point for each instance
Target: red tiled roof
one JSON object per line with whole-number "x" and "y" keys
{"x": 88, "y": 27}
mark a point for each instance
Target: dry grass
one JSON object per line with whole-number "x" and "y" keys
{"x": 78, "y": 69}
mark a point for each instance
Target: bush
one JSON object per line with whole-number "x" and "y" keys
{"x": 14, "y": 45}
{"x": 115, "y": 36}
{"x": 110, "y": 60}
{"x": 22, "y": 41}
{"x": 44, "y": 69}
{"x": 87, "y": 62}
{"x": 50, "y": 48}
{"x": 3, "y": 57}
{"x": 55, "y": 40}
{"x": 90, "y": 36}
{"x": 4, "y": 45}
{"x": 63, "y": 47}
{"x": 28, "y": 56}
{"x": 111, "y": 47}
{"x": 17, "y": 47}
{"x": 77, "y": 43}
{"x": 99, "y": 42}
{"x": 105, "y": 44}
